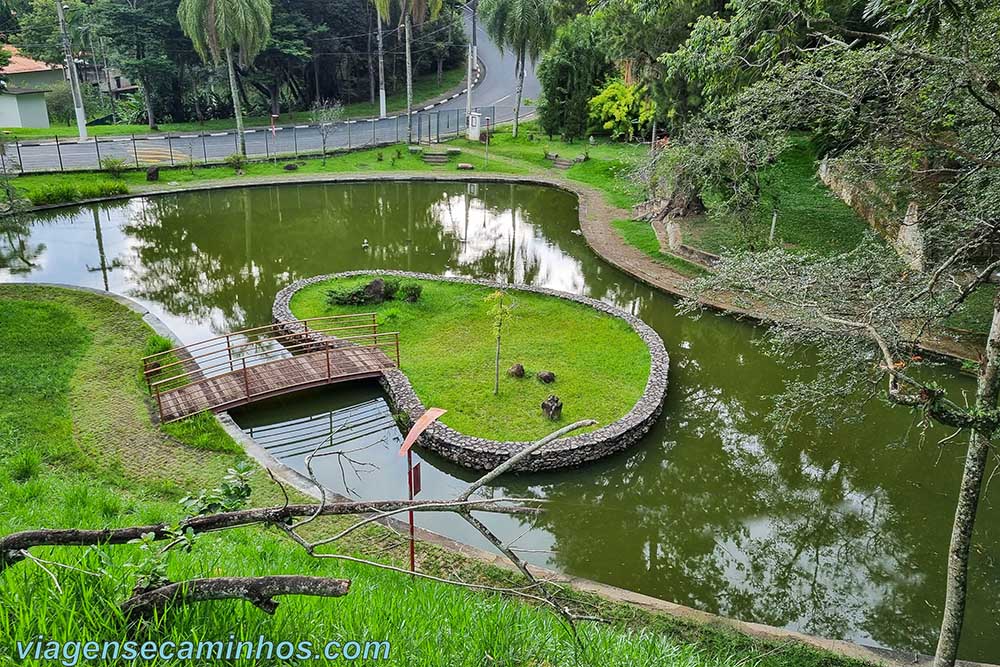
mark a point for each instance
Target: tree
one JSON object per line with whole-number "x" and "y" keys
{"x": 501, "y": 312}
{"x": 913, "y": 107}
{"x": 326, "y": 115}
{"x": 524, "y": 26}
{"x": 218, "y": 28}
{"x": 414, "y": 12}
{"x": 570, "y": 73}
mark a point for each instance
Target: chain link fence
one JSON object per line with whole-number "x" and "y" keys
{"x": 204, "y": 148}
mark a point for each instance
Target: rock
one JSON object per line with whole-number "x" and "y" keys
{"x": 375, "y": 291}
{"x": 552, "y": 407}
{"x": 291, "y": 166}
{"x": 465, "y": 166}
{"x": 516, "y": 371}
{"x": 453, "y": 151}
{"x": 152, "y": 173}
{"x": 416, "y": 150}
{"x": 547, "y": 377}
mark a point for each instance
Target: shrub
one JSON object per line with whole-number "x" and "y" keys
{"x": 391, "y": 289}
{"x": 101, "y": 189}
{"x": 114, "y": 166}
{"x": 625, "y": 111}
{"x": 411, "y": 292}
{"x": 369, "y": 293}
{"x": 237, "y": 161}
{"x": 60, "y": 193}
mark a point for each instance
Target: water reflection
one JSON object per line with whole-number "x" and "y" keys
{"x": 839, "y": 532}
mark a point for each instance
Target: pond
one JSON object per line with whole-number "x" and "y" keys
{"x": 840, "y": 533}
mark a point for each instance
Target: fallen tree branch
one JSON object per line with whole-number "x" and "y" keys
{"x": 259, "y": 591}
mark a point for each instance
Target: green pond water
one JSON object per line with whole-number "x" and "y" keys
{"x": 839, "y": 532}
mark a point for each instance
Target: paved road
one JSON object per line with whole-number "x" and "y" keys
{"x": 493, "y": 96}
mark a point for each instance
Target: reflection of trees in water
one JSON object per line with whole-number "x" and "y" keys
{"x": 839, "y": 534}
{"x": 17, "y": 254}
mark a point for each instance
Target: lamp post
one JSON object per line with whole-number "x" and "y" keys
{"x": 74, "y": 82}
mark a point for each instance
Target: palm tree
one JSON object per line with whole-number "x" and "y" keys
{"x": 414, "y": 12}
{"x": 217, "y": 28}
{"x": 381, "y": 14}
{"x": 526, "y": 27}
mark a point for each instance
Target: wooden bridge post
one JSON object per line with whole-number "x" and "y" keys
{"x": 374, "y": 323}
{"x": 159, "y": 404}
{"x": 329, "y": 374}
{"x": 246, "y": 378}
{"x": 397, "y": 350}
{"x": 229, "y": 349}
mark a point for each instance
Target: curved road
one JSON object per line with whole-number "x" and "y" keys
{"x": 493, "y": 96}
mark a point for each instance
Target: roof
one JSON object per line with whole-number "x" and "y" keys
{"x": 11, "y": 90}
{"x": 23, "y": 64}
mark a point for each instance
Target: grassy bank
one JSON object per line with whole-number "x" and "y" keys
{"x": 426, "y": 90}
{"x": 448, "y": 346}
{"x": 810, "y": 217}
{"x": 77, "y": 449}
{"x": 66, "y": 188}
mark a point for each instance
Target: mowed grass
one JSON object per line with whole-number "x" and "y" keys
{"x": 448, "y": 346}
{"x": 426, "y": 90}
{"x": 77, "y": 449}
{"x": 640, "y": 235}
{"x": 64, "y": 188}
{"x": 810, "y": 217}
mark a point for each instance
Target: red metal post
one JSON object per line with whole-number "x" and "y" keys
{"x": 397, "y": 351}
{"x": 409, "y": 480}
{"x": 229, "y": 349}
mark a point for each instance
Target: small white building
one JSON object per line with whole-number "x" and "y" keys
{"x": 23, "y": 107}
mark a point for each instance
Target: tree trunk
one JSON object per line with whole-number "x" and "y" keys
{"x": 237, "y": 109}
{"x": 147, "y": 101}
{"x": 496, "y": 374}
{"x": 409, "y": 79}
{"x": 440, "y": 70}
{"x": 968, "y": 503}
{"x": 520, "y": 89}
{"x": 381, "y": 65}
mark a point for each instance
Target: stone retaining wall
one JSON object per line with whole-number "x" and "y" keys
{"x": 485, "y": 454}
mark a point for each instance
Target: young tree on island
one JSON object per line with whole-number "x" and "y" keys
{"x": 526, "y": 27}
{"x": 501, "y": 311}
{"x": 326, "y": 115}
{"x": 218, "y": 28}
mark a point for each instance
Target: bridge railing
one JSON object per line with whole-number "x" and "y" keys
{"x": 236, "y": 352}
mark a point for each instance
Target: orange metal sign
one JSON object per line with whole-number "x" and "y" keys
{"x": 419, "y": 427}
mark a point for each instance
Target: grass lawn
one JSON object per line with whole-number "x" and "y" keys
{"x": 448, "y": 346}
{"x": 64, "y": 188}
{"x": 641, "y": 235}
{"x": 426, "y": 89}
{"x": 810, "y": 217}
{"x": 77, "y": 449}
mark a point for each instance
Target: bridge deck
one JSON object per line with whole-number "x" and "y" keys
{"x": 241, "y": 386}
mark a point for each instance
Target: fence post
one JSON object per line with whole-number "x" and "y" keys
{"x": 267, "y": 151}
{"x": 97, "y": 147}
{"x": 236, "y": 142}
{"x": 170, "y": 149}
{"x": 329, "y": 374}
{"x": 348, "y": 135}
{"x": 59, "y": 153}
{"x": 20, "y": 164}
{"x": 229, "y": 349}
{"x": 374, "y": 139}
{"x": 295, "y": 140}
{"x": 135, "y": 151}
{"x": 397, "y": 128}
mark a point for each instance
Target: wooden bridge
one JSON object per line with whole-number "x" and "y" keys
{"x": 254, "y": 364}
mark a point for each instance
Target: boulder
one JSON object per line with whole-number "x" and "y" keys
{"x": 152, "y": 173}
{"x": 291, "y": 166}
{"x": 552, "y": 407}
{"x": 516, "y": 371}
{"x": 547, "y": 377}
{"x": 375, "y": 291}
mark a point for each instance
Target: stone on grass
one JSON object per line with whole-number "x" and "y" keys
{"x": 516, "y": 371}
{"x": 552, "y": 407}
{"x": 375, "y": 291}
{"x": 152, "y": 173}
{"x": 547, "y": 377}
{"x": 465, "y": 166}
{"x": 291, "y": 166}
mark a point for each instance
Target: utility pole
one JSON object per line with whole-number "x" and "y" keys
{"x": 74, "y": 82}
{"x": 475, "y": 39}
{"x": 468, "y": 87}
